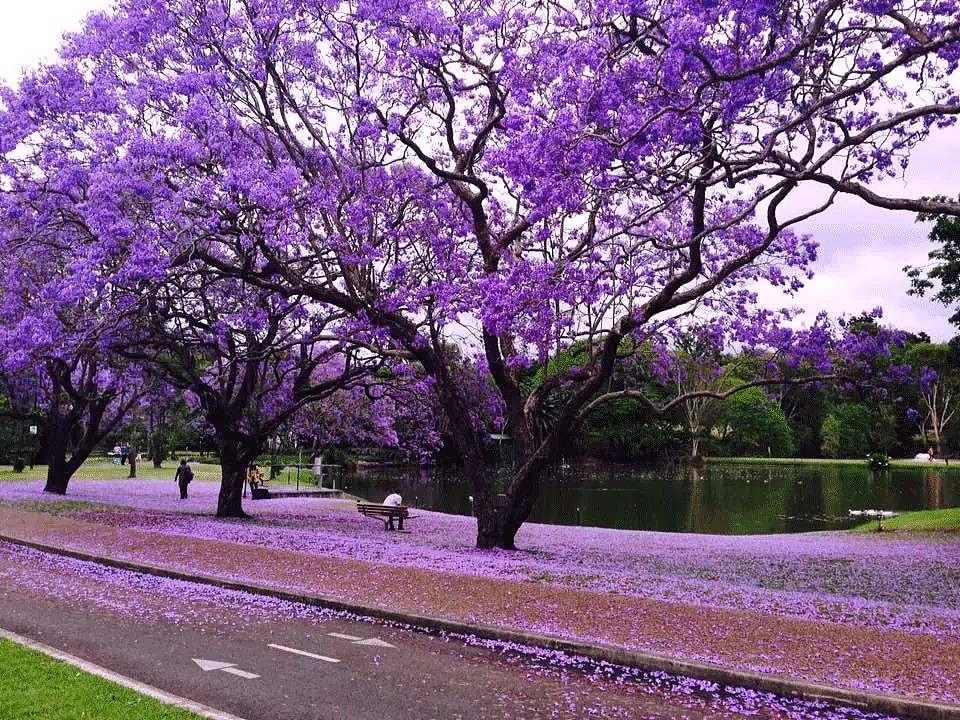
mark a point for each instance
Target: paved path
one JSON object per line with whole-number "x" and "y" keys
{"x": 827, "y": 653}
{"x": 264, "y": 660}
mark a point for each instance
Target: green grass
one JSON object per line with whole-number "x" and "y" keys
{"x": 90, "y": 470}
{"x": 954, "y": 466}
{"x": 104, "y": 469}
{"x": 945, "y": 520}
{"x": 37, "y": 687}
{"x": 782, "y": 461}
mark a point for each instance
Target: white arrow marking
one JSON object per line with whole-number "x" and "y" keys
{"x": 208, "y": 665}
{"x": 356, "y": 640}
{"x": 304, "y": 653}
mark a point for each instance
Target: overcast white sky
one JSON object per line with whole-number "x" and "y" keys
{"x": 862, "y": 250}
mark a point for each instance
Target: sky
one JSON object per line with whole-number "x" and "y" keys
{"x": 862, "y": 249}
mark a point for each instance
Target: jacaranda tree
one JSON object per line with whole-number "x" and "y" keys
{"x": 390, "y": 412}
{"x": 57, "y": 344}
{"x": 100, "y": 297}
{"x": 247, "y": 360}
{"x": 510, "y": 176}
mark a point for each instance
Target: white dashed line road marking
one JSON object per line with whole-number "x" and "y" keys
{"x": 304, "y": 653}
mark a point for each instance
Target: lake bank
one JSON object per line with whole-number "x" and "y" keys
{"x": 726, "y": 497}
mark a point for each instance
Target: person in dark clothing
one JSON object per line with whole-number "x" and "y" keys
{"x": 183, "y": 477}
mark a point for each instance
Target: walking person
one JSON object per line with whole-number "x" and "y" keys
{"x": 183, "y": 477}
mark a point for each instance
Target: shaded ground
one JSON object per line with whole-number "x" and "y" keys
{"x": 861, "y": 611}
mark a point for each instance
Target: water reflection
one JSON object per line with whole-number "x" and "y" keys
{"x": 933, "y": 490}
{"x": 721, "y": 499}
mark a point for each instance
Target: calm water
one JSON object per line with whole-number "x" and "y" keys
{"x": 723, "y": 499}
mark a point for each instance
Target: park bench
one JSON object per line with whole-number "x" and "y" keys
{"x": 388, "y": 513}
{"x": 258, "y": 491}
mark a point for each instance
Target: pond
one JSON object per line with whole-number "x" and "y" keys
{"x": 720, "y": 499}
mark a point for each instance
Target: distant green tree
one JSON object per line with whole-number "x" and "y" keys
{"x": 623, "y": 429}
{"x": 937, "y": 368}
{"x": 697, "y": 365}
{"x": 806, "y": 407}
{"x": 830, "y": 436}
{"x": 627, "y": 430}
{"x": 883, "y": 428}
{"x": 753, "y": 424}
{"x": 854, "y": 429}
{"x": 884, "y": 391}
{"x": 942, "y": 273}
{"x": 8, "y": 432}
{"x": 19, "y": 446}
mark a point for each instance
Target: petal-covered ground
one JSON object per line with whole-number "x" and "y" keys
{"x": 554, "y": 684}
{"x": 879, "y": 612}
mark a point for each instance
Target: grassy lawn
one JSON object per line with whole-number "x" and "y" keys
{"x": 36, "y": 687}
{"x": 91, "y": 470}
{"x": 104, "y": 469}
{"x": 946, "y": 520}
{"x": 781, "y": 461}
{"x": 894, "y": 462}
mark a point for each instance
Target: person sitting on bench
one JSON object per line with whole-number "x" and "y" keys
{"x": 393, "y": 499}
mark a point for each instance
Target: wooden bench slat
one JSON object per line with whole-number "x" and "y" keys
{"x": 389, "y": 512}
{"x": 374, "y": 509}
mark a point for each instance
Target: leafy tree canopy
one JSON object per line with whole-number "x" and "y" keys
{"x": 942, "y": 274}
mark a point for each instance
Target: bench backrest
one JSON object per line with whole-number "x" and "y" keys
{"x": 377, "y": 509}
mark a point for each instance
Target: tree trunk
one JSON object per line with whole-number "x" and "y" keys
{"x": 60, "y": 469}
{"x": 57, "y": 476}
{"x": 522, "y": 496}
{"x": 234, "y": 459}
{"x": 499, "y": 519}
{"x": 489, "y": 524}
{"x": 157, "y": 449}
{"x": 487, "y": 507}
{"x": 133, "y": 461}
{"x": 58, "y": 441}
{"x": 499, "y": 516}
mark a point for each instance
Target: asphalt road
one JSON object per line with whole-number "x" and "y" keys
{"x": 264, "y": 659}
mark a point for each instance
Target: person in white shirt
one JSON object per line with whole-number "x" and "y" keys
{"x": 393, "y": 499}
